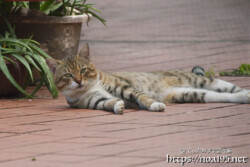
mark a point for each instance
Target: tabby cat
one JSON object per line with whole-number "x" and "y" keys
{"x": 84, "y": 86}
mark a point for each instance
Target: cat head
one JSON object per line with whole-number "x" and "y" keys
{"x": 73, "y": 73}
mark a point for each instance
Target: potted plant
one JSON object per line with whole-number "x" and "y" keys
{"x": 55, "y": 24}
{"x": 17, "y": 58}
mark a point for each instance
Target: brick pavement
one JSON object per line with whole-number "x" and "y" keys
{"x": 142, "y": 35}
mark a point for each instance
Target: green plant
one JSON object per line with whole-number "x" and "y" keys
{"x": 243, "y": 70}
{"x": 210, "y": 73}
{"x": 26, "y": 52}
{"x": 53, "y": 8}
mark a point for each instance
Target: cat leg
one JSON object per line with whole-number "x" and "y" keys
{"x": 223, "y": 86}
{"x": 214, "y": 84}
{"x": 202, "y": 82}
{"x": 192, "y": 95}
{"x": 217, "y": 85}
{"x": 110, "y": 104}
{"x": 98, "y": 99}
{"x": 141, "y": 99}
{"x": 102, "y": 100}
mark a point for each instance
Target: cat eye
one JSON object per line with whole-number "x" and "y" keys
{"x": 68, "y": 75}
{"x": 83, "y": 70}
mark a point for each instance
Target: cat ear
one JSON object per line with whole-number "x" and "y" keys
{"x": 84, "y": 51}
{"x": 52, "y": 63}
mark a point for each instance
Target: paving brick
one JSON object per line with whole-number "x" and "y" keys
{"x": 140, "y": 36}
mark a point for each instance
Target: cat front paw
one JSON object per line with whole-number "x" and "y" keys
{"x": 119, "y": 107}
{"x": 157, "y": 107}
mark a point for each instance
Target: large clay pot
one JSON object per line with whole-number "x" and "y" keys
{"x": 58, "y": 36}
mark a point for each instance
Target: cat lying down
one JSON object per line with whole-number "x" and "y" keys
{"x": 84, "y": 86}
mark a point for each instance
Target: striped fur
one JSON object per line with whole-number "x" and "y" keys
{"x": 86, "y": 87}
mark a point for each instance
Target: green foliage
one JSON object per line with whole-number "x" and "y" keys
{"x": 27, "y": 53}
{"x": 243, "y": 70}
{"x": 53, "y": 8}
{"x": 210, "y": 73}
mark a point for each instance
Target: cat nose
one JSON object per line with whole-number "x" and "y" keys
{"x": 78, "y": 81}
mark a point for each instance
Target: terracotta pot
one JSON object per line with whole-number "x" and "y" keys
{"x": 58, "y": 36}
{"x": 19, "y": 74}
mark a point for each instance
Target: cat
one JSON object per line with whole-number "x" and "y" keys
{"x": 84, "y": 86}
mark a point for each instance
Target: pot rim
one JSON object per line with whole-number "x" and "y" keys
{"x": 49, "y": 19}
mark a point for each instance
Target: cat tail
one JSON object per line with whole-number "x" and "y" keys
{"x": 198, "y": 70}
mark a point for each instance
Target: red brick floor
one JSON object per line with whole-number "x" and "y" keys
{"x": 141, "y": 35}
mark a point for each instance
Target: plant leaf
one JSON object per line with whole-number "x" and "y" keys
{"x": 47, "y": 73}
{"x": 10, "y": 60}
{"x": 39, "y": 85}
{"x": 25, "y": 63}
{"x": 32, "y": 62}
{"x": 39, "y": 51}
{"x": 11, "y": 51}
{"x": 47, "y": 6}
{"x": 7, "y": 74}
{"x": 55, "y": 7}
{"x": 98, "y": 17}
{"x": 27, "y": 41}
{"x": 90, "y": 6}
{"x": 16, "y": 41}
{"x": 12, "y": 32}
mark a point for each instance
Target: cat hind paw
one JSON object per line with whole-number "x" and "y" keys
{"x": 157, "y": 107}
{"x": 248, "y": 96}
{"x": 119, "y": 107}
{"x": 243, "y": 97}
